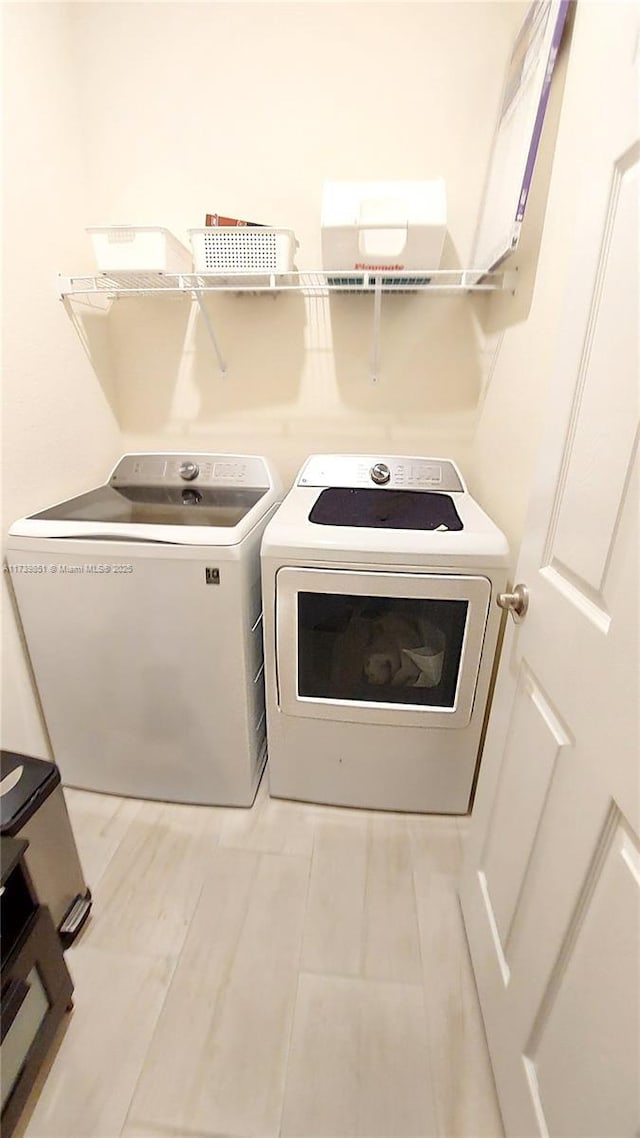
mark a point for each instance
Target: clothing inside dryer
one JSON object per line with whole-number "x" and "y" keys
{"x": 380, "y": 649}
{"x": 385, "y": 509}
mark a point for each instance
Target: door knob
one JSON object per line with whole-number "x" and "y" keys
{"x": 516, "y": 602}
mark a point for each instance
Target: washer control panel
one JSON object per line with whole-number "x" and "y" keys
{"x": 397, "y": 472}
{"x": 198, "y": 469}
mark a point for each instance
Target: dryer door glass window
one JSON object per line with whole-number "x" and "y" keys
{"x": 392, "y": 650}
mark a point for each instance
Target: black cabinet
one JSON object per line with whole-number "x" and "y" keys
{"x": 36, "y": 987}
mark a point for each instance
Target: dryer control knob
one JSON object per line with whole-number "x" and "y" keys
{"x": 188, "y": 470}
{"x": 380, "y": 473}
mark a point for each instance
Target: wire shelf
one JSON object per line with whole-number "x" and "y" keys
{"x": 106, "y": 287}
{"x": 440, "y": 282}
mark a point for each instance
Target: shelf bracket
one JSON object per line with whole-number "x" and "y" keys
{"x": 375, "y": 348}
{"x": 212, "y": 335}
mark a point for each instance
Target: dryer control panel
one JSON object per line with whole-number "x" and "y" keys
{"x": 196, "y": 469}
{"x": 399, "y": 472}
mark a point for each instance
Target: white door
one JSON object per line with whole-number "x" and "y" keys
{"x": 550, "y": 890}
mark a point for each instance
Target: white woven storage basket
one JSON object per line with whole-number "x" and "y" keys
{"x": 224, "y": 249}
{"x": 138, "y": 249}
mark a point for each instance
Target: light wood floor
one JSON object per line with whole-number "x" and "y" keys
{"x": 289, "y": 970}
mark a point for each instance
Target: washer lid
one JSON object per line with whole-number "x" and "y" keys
{"x": 172, "y": 498}
{"x": 219, "y": 506}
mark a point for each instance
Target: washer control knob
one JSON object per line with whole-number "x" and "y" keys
{"x": 188, "y": 471}
{"x": 380, "y": 473}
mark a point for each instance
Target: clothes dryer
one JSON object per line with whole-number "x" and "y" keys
{"x": 379, "y": 577}
{"x": 141, "y": 607}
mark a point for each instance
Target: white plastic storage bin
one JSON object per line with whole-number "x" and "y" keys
{"x": 230, "y": 249}
{"x": 383, "y": 225}
{"x": 138, "y": 249}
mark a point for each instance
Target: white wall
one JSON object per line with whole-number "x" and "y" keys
{"x": 59, "y": 432}
{"x": 245, "y": 109}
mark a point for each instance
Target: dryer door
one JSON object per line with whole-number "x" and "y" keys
{"x": 394, "y": 648}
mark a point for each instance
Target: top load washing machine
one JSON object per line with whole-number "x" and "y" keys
{"x": 141, "y": 608}
{"x": 379, "y": 580}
